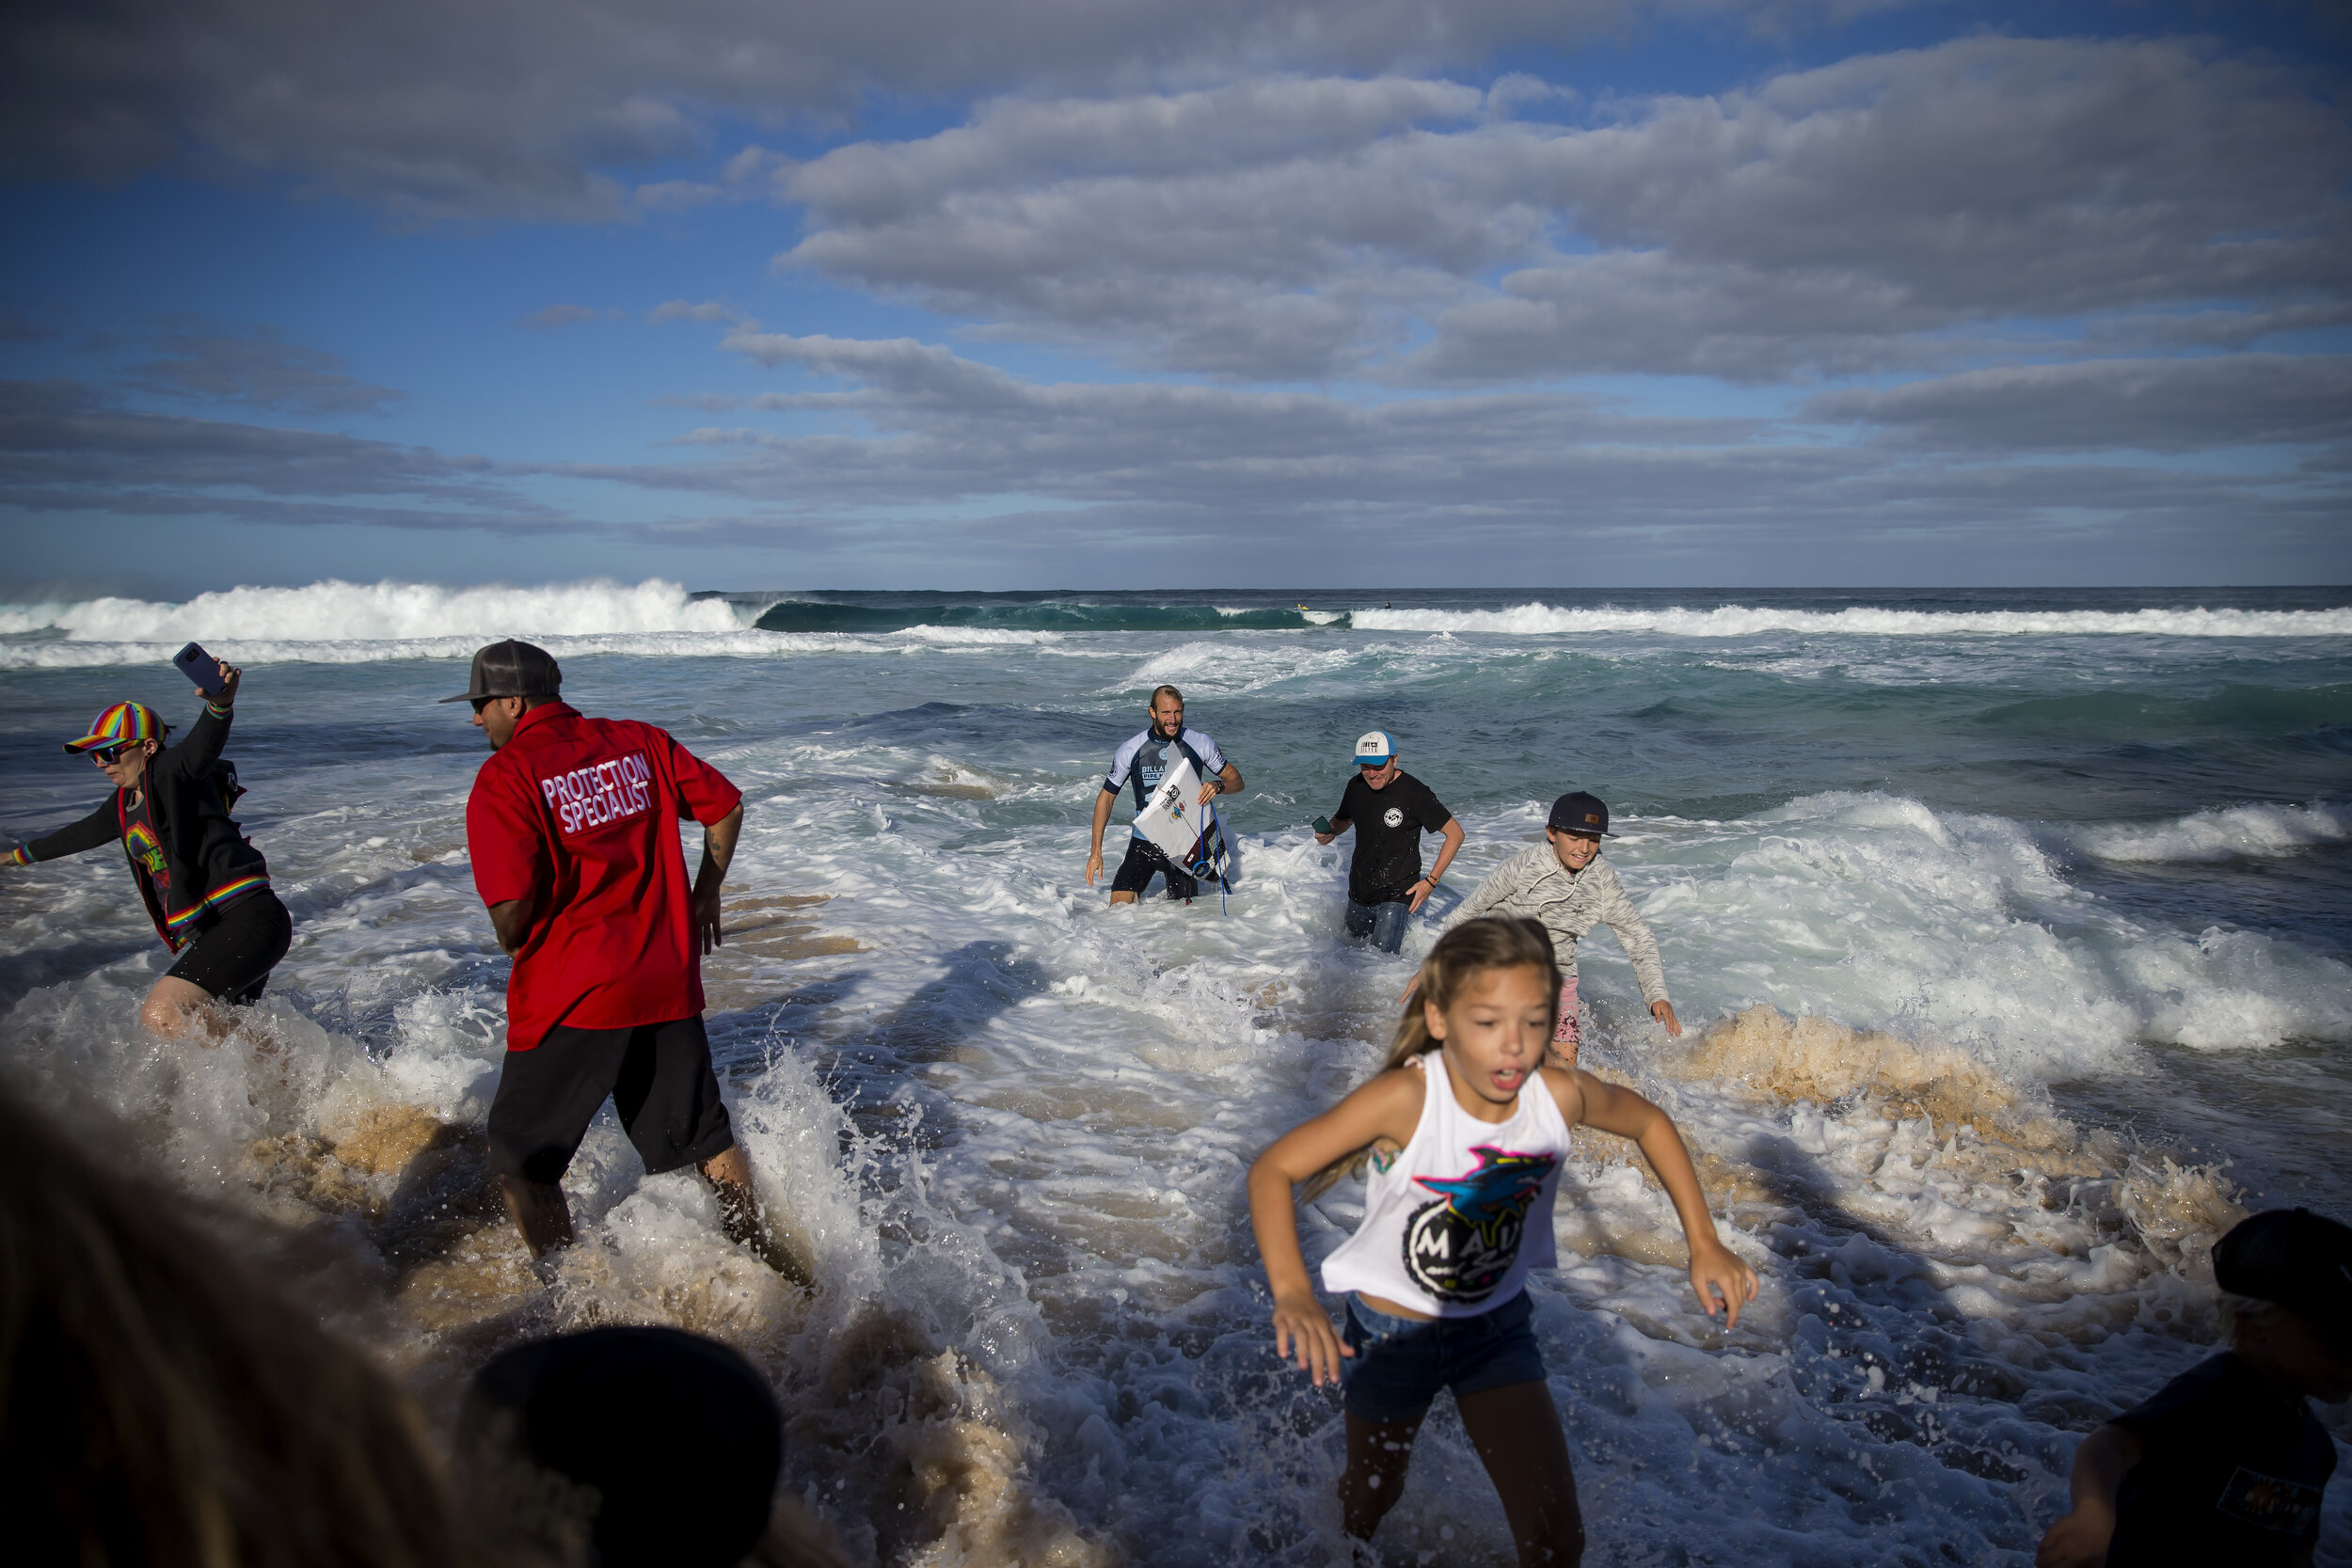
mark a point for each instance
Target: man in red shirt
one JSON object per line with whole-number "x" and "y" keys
{"x": 573, "y": 829}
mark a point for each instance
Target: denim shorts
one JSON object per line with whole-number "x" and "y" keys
{"x": 1401, "y": 1363}
{"x": 1382, "y": 924}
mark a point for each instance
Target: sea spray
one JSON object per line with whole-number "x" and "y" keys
{"x": 1738, "y": 620}
{"x": 2268, "y": 833}
{"x": 2003, "y": 1092}
{"x": 334, "y": 612}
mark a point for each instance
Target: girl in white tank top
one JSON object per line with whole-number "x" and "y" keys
{"x": 1452, "y": 1222}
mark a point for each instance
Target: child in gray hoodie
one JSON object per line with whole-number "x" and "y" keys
{"x": 1565, "y": 885}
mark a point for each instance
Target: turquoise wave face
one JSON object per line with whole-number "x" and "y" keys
{"x": 810, "y": 615}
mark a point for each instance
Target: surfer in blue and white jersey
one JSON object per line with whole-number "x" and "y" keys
{"x": 1139, "y": 767}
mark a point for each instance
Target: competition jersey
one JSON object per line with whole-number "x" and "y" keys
{"x": 580, "y": 816}
{"x": 1143, "y": 762}
{"x": 1453, "y": 1223}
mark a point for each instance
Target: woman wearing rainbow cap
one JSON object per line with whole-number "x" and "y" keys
{"x": 204, "y": 885}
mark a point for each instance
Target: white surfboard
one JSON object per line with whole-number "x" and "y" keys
{"x": 1174, "y": 819}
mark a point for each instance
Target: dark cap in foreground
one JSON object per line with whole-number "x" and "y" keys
{"x": 667, "y": 1444}
{"x": 2299, "y": 1259}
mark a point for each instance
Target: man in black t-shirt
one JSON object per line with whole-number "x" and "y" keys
{"x": 1389, "y": 810}
{"x": 2227, "y": 1465}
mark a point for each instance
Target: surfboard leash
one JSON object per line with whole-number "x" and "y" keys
{"x": 1217, "y": 823}
{"x": 1209, "y": 860}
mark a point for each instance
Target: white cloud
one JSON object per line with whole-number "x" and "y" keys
{"x": 435, "y": 108}
{"x": 1827, "y": 222}
{"x": 65, "y": 448}
{"x": 553, "y": 316}
{"x": 914, "y": 428}
{"x": 208, "y": 362}
{"x": 694, "y": 310}
{"x": 2169, "y": 405}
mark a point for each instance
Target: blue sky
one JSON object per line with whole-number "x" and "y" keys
{"x": 1046, "y": 293}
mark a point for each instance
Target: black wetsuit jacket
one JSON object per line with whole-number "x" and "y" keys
{"x": 210, "y": 862}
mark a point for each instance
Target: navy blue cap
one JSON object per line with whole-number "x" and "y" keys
{"x": 2299, "y": 1259}
{"x": 1580, "y": 813}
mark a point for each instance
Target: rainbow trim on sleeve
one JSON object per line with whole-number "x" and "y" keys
{"x": 19, "y": 856}
{"x": 174, "y": 924}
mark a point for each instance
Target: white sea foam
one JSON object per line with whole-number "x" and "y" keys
{"x": 335, "y": 611}
{"x": 1014, "y": 1122}
{"x": 1872, "y": 907}
{"x": 57, "y": 655}
{"x": 1746, "y": 621}
{"x": 1229, "y": 668}
{"x": 2266, "y": 833}
{"x": 251, "y": 651}
{"x": 976, "y": 637}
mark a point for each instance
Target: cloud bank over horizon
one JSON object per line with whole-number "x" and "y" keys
{"x": 1875, "y": 289}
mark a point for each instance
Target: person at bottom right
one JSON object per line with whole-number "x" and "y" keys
{"x": 2226, "y": 1463}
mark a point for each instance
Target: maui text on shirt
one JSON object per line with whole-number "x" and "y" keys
{"x": 591, "y": 797}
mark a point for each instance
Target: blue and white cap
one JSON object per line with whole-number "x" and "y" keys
{"x": 1373, "y": 749}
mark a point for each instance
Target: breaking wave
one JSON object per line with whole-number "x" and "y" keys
{"x": 1038, "y": 615}
{"x": 427, "y": 620}
{"x": 337, "y": 611}
{"x": 2266, "y": 833}
{"x": 1862, "y": 621}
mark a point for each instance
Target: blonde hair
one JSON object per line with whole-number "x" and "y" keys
{"x": 1159, "y": 691}
{"x": 164, "y": 1407}
{"x": 1458, "y": 958}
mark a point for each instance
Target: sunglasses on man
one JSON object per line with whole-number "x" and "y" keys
{"x": 107, "y": 756}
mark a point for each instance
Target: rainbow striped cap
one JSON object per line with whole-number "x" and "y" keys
{"x": 125, "y": 722}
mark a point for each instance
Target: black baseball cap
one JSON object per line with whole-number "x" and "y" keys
{"x": 678, "y": 1436}
{"x": 1580, "y": 813}
{"x": 512, "y": 669}
{"x": 2299, "y": 1259}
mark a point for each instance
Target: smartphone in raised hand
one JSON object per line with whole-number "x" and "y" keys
{"x": 200, "y": 667}
{"x": 1322, "y": 825}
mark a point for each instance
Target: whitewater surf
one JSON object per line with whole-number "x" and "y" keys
{"x": 2012, "y": 930}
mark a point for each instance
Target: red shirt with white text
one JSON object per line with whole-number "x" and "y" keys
{"x": 579, "y": 816}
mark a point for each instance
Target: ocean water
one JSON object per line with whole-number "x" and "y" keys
{"x": 2013, "y": 931}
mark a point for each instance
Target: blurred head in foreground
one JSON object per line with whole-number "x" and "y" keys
{"x": 2289, "y": 1275}
{"x": 629, "y": 1448}
{"x": 163, "y": 1407}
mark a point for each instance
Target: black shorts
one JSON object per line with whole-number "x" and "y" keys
{"x": 231, "y": 958}
{"x": 1143, "y": 859}
{"x": 657, "y": 1075}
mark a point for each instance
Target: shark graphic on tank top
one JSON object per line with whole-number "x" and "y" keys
{"x": 1453, "y": 1223}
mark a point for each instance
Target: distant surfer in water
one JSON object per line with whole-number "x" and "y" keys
{"x": 1389, "y": 810}
{"x": 204, "y": 885}
{"x": 572, "y": 827}
{"x": 1138, "y": 767}
{"x": 1567, "y": 886}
